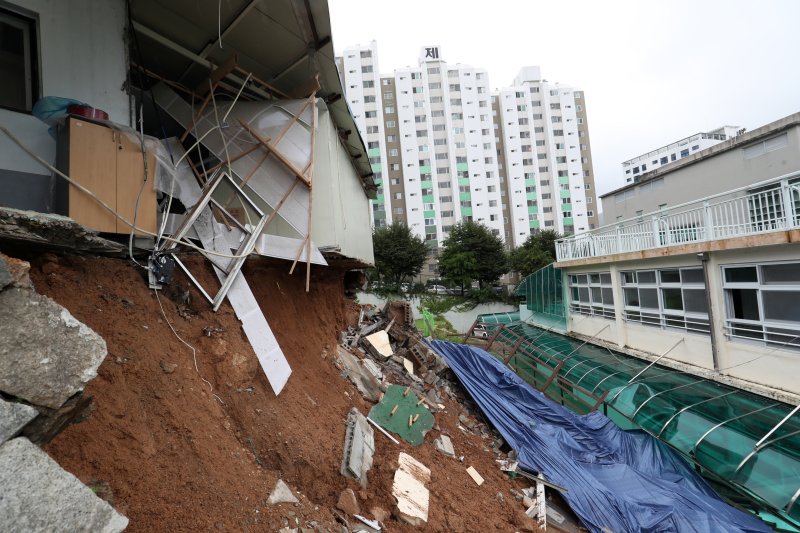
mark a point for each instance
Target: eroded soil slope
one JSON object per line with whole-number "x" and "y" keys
{"x": 179, "y": 448}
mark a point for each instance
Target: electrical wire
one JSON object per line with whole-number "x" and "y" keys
{"x": 194, "y": 352}
{"x": 219, "y": 23}
{"x": 141, "y": 188}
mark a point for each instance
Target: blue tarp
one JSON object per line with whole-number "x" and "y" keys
{"x": 618, "y": 480}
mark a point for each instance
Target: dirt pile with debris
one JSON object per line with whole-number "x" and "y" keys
{"x": 182, "y": 445}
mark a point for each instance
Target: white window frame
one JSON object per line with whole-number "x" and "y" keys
{"x": 661, "y": 317}
{"x": 758, "y": 331}
{"x": 593, "y": 283}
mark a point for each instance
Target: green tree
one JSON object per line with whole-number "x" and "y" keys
{"x": 470, "y": 253}
{"x": 460, "y": 268}
{"x": 538, "y": 251}
{"x": 399, "y": 254}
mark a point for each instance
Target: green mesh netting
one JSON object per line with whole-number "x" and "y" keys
{"x": 544, "y": 297}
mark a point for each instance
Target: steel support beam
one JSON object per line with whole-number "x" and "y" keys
{"x": 669, "y": 421}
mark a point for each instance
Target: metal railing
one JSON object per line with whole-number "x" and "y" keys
{"x": 766, "y": 206}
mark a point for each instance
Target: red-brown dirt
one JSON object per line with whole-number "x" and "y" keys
{"x": 178, "y": 456}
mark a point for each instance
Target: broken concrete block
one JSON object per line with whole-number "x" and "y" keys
{"x": 359, "y": 375}
{"x": 433, "y": 397}
{"x": 378, "y": 343}
{"x": 380, "y": 514}
{"x": 46, "y": 355}
{"x": 13, "y": 417}
{"x": 38, "y": 495}
{"x": 55, "y": 231}
{"x": 409, "y": 490}
{"x": 14, "y": 272}
{"x": 359, "y": 447}
{"x": 373, "y": 368}
{"x": 476, "y": 477}
{"x": 281, "y": 494}
{"x": 348, "y": 503}
{"x": 445, "y": 445}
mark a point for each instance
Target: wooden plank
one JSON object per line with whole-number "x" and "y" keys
{"x": 264, "y": 84}
{"x": 468, "y": 334}
{"x": 553, "y": 374}
{"x": 234, "y": 159}
{"x": 93, "y": 164}
{"x": 494, "y": 336}
{"x": 277, "y": 154}
{"x": 195, "y": 117}
{"x": 306, "y": 88}
{"x": 310, "y": 169}
{"x": 218, "y": 74}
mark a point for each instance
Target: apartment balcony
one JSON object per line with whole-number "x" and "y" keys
{"x": 764, "y": 213}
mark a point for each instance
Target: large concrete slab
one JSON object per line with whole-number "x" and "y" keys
{"x": 360, "y": 375}
{"x": 410, "y": 491}
{"x": 37, "y": 496}
{"x": 359, "y": 447}
{"x": 46, "y": 355}
{"x": 13, "y": 417}
{"x": 53, "y": 232}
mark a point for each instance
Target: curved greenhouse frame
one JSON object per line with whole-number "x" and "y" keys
{"x": 747, "y": 444}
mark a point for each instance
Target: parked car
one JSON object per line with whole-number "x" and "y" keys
{"x": 481, "y": 331}
{"x": 437, "y": 289}
{"x": 499, "y": 289}
{"x": 458, "y": 291}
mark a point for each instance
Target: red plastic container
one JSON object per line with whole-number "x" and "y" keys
{"x": 87, "y": 112}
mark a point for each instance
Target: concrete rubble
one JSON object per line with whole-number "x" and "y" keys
{"x": 54, "y": 232}
{"x": 359, "y": 447}
{"x": 385, "y": 353}
{"x": 46, "y": 355}
{"x": 410, "y": 491}
{"x": 281, "y": 494}
{"x": 444, "y": 445}
{"x": 361, "y": 375}
{"x": 378, "y": 343}
{"x": 38, "y": 495}
{"x": 46, "y": 359}
{"x": 13, "y": 417}
{"x": 348, "y": 503}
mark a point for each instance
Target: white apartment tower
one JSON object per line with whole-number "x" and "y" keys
{"x": 444, "y": 149}
{"x": 358, "y": 68}
{"x": 445, "y": 145}
{"x": 546, "y": 157}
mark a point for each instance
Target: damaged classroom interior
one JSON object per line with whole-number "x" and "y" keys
{"x": 185, "y": 227}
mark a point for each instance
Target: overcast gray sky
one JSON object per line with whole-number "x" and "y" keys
{"x": 653, "y": 71}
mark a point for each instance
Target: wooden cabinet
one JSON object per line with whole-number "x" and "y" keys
{"x": 110, "y": 165}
